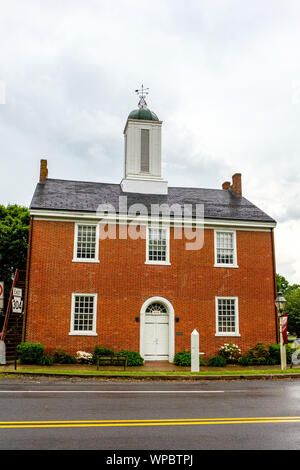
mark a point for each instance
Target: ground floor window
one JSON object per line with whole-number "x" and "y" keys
{"x": 227, "y": 323}
{"x": 83, "y": 315}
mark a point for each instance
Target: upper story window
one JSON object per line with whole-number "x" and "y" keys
{"x": 86, "y": 243}
{"x": 145, "y": 161}
{"x": 227, "y": 323}
{"x": 158, "y": 245}
{"x": 225, "y": 248}
{"x": 83, "y": 315}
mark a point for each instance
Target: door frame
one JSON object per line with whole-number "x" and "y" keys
{"x": 171, "y": 315}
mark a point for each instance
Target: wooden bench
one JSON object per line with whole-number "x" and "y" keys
{"x": 111, "y": 361}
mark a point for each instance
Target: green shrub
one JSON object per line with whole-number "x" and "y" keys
{"x": 183, "y": 358}
{"x": 245, "y": 361}
{"x": 271, "y": 361}
{"x": 101, "y": 352}
{"x": 46, "y": 360}
{"x": 258, "y": 352}
{"x": 217, "y": 361}
{"x": 231, "y": 352}
{"x": 60, "y": 356}
{"x": 133, "y": 358}
{"x": 261, "y": 361}
{"x": 289, "y": 352}
{"x": 30, "y": 353}
{"x": 274, "y": 350}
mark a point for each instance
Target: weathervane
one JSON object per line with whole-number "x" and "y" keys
{"x": 142, "y": 93}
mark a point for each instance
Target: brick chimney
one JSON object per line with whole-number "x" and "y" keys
{"x": 43, "y": 171}
{"x": 236, "y": 185}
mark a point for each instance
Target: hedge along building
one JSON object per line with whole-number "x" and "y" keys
{"x": 104, "y": 269}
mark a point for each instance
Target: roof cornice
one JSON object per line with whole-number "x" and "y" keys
{"x": 73, "y": 216}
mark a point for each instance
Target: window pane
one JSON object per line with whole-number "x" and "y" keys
{"x": 226, "y": 316}
{"x": 225, "y": 248}
{"x": 157, "y": 244}
{"x": 156, "y": 308}
{"x": 86, "y": 241}
{"x": 83, "y": 313}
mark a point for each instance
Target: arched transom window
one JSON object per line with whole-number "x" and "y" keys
{"x": 156, "y": 308}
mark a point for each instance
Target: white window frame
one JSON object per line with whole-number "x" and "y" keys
{"x": 236, "y": 311}
{"x": 167, "y": 260}
{"x": 225, "y": 265}
{"x": 85, "y": 260}
{"x": 83, "y": 332}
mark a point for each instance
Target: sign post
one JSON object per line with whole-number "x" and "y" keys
{"x": 283, "y": 339}
{"x": 195, "y": 351}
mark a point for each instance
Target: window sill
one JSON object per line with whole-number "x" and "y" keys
{"x": 227, "y": 334}
{"x": 82, "y": 333}
{"x": 158, "y": 263}
{"x": 226, "y": 266}
{"x": 82, "y": 260}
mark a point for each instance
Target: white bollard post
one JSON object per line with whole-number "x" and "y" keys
{"x": 195, "y": 351}
{"x": 2, "y": 353}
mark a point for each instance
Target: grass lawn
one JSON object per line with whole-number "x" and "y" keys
{"x": 248, "y": 370}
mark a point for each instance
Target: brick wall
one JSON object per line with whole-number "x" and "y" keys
{"x": 123, "y": 283}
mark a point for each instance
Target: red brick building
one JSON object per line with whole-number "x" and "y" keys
{"x": 115, "y": 265}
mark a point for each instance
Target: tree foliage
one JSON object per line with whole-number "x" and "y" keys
{"x": 292, "y": 294}
{"x": 292, "y": 309}
{"x": 14, "y": 229}
{"x": 284, "y": 286}
{"x": 282, "y": 283}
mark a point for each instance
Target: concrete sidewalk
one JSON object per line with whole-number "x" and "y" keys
{"x": 149, "y": 366}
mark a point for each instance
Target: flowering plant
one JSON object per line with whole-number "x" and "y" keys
{"x": 84, "y": 357}
{"x": 231, "y": 352}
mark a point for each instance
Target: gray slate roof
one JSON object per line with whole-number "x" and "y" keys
{"x": 66, "y": 195}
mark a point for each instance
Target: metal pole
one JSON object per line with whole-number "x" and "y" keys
{"x": 284, "y": 357}
{"x": 281, "y": 343}
{"x": 282, "y": 347}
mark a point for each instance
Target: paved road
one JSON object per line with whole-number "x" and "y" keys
{"x": 88, "y": 414}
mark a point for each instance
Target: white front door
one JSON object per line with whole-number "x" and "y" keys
{"x": 156, "y": 339}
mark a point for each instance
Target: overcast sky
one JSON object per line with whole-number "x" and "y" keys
{"x": 224, "y": 77}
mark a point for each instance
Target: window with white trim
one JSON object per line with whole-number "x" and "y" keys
{"x": 227, "y": 316}
{"x": 158, "y": 245}
{"x": 86, "y": 242}
{"x": 83, "y": 315}
{"x": 225, "y": 248}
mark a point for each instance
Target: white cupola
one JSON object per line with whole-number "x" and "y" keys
{"x": 142, "y": 168}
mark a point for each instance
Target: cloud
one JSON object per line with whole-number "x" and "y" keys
{"x": 223, "y": 77}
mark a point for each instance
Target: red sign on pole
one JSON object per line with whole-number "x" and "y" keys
{"x": 1, "y": 295}
{"x": 284, "y": 328}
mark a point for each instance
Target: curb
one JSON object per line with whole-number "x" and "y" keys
{"x": 160, "y": 377}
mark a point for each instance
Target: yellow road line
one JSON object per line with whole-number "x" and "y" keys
{"x": 160, "y": 422}
{"x": 150, "y": 420}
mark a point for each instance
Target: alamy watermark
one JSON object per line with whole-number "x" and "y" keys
{"x": 187, "y": 221}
